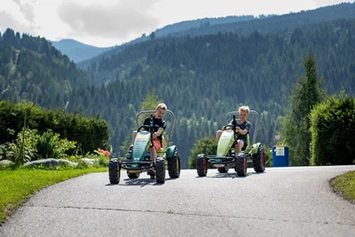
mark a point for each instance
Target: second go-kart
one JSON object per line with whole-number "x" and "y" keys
{"x": 138, "y": 158}
{"x": 226, "y": 156}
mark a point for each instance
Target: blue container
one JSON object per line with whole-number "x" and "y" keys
{"x": 280, "y": 156}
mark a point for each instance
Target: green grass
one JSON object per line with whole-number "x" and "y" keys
{"x": 344, "y": 185}
{"x": 16, "y": 186}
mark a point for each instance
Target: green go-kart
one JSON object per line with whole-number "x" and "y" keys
{"x": 138, "y": 158}
{"x": 226, "y": 156}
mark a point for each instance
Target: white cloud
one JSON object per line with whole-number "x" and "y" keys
{"x": 13, "y": 16}
{"x": 113, "y": 21}
{"x": 26, "y": 9}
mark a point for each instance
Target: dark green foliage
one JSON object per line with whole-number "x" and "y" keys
{"x": 333, "y": 129}
{"x": 206, "y": 145}
{"x": 22, "y": 149}
{"x": 305, "y": 95}
{"x": 89, "y": 133}
{"x": 46, "y": 146}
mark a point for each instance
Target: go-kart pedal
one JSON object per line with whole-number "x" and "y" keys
{"x": 151, "y": 172}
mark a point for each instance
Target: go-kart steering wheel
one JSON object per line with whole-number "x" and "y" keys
{"x": 228, "y": 126}
{"x": 146, "y": 127}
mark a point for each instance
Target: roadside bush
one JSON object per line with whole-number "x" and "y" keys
{"x": 30, "y": 146}
{"x": 88, "y": 132}
{"x": 49, "y": 145}
{"x": 103, "y": 158}
{"x": 82, "y": 165}
{"x": 207, "y": 145}
{"x": 46, "y": 146}
{"x": 268, "y": 154}
{"x": 101, "y": 162}
{"x": 22, "y": 149}
{"x": 333, "y": 129}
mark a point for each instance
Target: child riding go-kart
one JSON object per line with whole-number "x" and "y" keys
{"x": 227, "y": 156}
{"x": 138, "y": 158}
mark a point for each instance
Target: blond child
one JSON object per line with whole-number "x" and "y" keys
{"x": 159, "y": 125}
{"x": 242, "y": 128}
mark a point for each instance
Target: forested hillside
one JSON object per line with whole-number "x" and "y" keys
{"x": 200, "y": 79}
{"x": 31, "y": 69}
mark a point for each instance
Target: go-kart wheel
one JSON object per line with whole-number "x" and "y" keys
{"x": 132, "y": 175}
{"x": 160, "y": 170}
{"x": 174, "y": 165}
{"x": 201, "y": 165}
{"x": 241, "y": 166}
{"x": 259, "y": 160}
{"x": 114, "y": 170}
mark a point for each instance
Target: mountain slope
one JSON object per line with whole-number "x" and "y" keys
{"x": 77, "y": 51}
{"x": 169, "y": 30}
{"x": 286, "y": 22}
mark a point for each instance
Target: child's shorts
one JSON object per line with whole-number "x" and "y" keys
{"x": 157, "y": 144}
{"x": 244, "y": 142}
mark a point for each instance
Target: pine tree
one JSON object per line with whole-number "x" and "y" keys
{"x": 306, "y": 93}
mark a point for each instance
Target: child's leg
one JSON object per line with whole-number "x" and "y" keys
{"x": 153, "y": 154}
{"x": 239, "y": 146}
{"x": 134, "y": 134}
{"x": 218, "y": 134}
{"x": 133, "y": 138}
{"x": 153, "y": 149}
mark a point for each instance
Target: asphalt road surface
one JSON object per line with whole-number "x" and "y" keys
{"x": 295, "y": 201}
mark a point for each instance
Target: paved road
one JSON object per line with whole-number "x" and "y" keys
{"x": 295, "y": 201}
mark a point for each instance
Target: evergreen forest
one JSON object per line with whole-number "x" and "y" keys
{"x": 199, "y": 77}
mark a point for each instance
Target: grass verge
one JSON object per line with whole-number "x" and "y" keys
{"x": 16, "y": 186}
{"x": 344, "y": 185}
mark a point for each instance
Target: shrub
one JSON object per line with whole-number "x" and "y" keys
{"x": 49, "y": 145}
{"x": 30, "y": 146}
{"x": 207, "y": 145}
{"x": 333, "y": 129}
{"x": 46, "y": 145}
{"x": 87, "y": 132}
